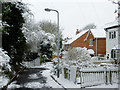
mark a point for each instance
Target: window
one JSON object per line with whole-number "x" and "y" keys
{"x": 69, "y": 45}
{"x": 109, "y": 35}
{"x": 90, "y": 42}
{"x": 113, "y": 54}
{"x": 112, "y": 35}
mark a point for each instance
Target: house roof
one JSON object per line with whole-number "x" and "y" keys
{"x": 76, "y": 37}
{"x": 97, "y": 33}
{"x": 113, "y": 24}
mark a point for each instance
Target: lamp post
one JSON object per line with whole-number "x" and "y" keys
{"x": 48, "y": 10}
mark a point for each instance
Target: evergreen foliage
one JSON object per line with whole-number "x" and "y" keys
{"x": 13, "y": 39}
{"x": 46, "y": 51}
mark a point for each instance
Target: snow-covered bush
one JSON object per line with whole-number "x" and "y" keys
{"x": 4, "y": 61}
{"x": 36, "y": 36}
{"x": 4, "y": 67}
{"x": 77, "y": 56}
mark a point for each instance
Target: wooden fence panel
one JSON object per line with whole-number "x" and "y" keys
{"x": 90, "y": 78}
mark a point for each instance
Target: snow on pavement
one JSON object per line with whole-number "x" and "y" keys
{"x": 14, "y": 85}
{"x": 105, "y": 86}
{"x": 46, "y": 73}
{"x": 33, "y": 85}
{"x": 68, "y": 84}
{"x": 33, "y": 76}
{"x": 50, "y": 83}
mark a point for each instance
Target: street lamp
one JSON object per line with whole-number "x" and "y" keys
{"x": 48, "y": 10}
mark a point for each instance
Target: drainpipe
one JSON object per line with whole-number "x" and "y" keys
{"x": 96, "y": 46}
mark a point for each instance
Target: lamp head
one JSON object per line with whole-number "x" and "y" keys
{"x": 47, "y": 9}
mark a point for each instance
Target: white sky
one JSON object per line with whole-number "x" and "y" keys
{"x": 74, "y": 13}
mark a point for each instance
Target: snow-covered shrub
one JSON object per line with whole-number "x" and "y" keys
{"x": 4, "y": 67}
{"x": 4, "y": 61}
{"x": 77, "y": 56}
{"x": 35, "y": 36}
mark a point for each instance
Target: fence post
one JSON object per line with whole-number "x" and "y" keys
{"x": 81, "y": 81}
{"x": 106, "y": 78}
{"x": 110, "y": 77}
{"x": 69, "y": 74}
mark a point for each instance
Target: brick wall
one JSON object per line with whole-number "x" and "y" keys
{"x": 79, "y": 42}
{"x": 101, "y": 43}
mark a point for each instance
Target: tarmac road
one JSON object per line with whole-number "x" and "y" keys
{"x": 24, "y": 78}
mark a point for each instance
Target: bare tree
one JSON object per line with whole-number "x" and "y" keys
{"x": 50, "y": 27}
{"x": 89, "y": 26}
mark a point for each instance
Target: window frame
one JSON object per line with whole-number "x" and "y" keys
{"x": 109, "y": 35}
{"x": 90, "y": 42}
{"x": 112, "y": 34}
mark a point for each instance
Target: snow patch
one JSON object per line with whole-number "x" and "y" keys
{"x": 14, "y": 85}
{"x": 3, "y": 81}
{"x": 33, "y": 76}
{"x": 33, "y": 85}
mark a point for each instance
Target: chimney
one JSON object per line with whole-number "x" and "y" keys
{"x": 77, "y": 31}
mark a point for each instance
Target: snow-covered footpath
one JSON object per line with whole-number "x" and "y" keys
{"x": 46, "y": 73}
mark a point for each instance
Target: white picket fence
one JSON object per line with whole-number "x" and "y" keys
{"x": 91, "y": 76}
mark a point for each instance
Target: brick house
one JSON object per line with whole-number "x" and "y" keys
{"x": 94, "y": 40}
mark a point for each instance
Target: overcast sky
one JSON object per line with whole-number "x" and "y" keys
{"x": 74, "y": 14}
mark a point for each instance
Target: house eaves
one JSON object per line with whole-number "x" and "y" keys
{"x": 117, "y": 26}
{"x": 87, "y": 36}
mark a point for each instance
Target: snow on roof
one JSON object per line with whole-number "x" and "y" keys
{"x": 76, "y": 37}
{"x": 110, "y": 24}
{"x": 98, "y": 33}
{"x": 9, "y": 0}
